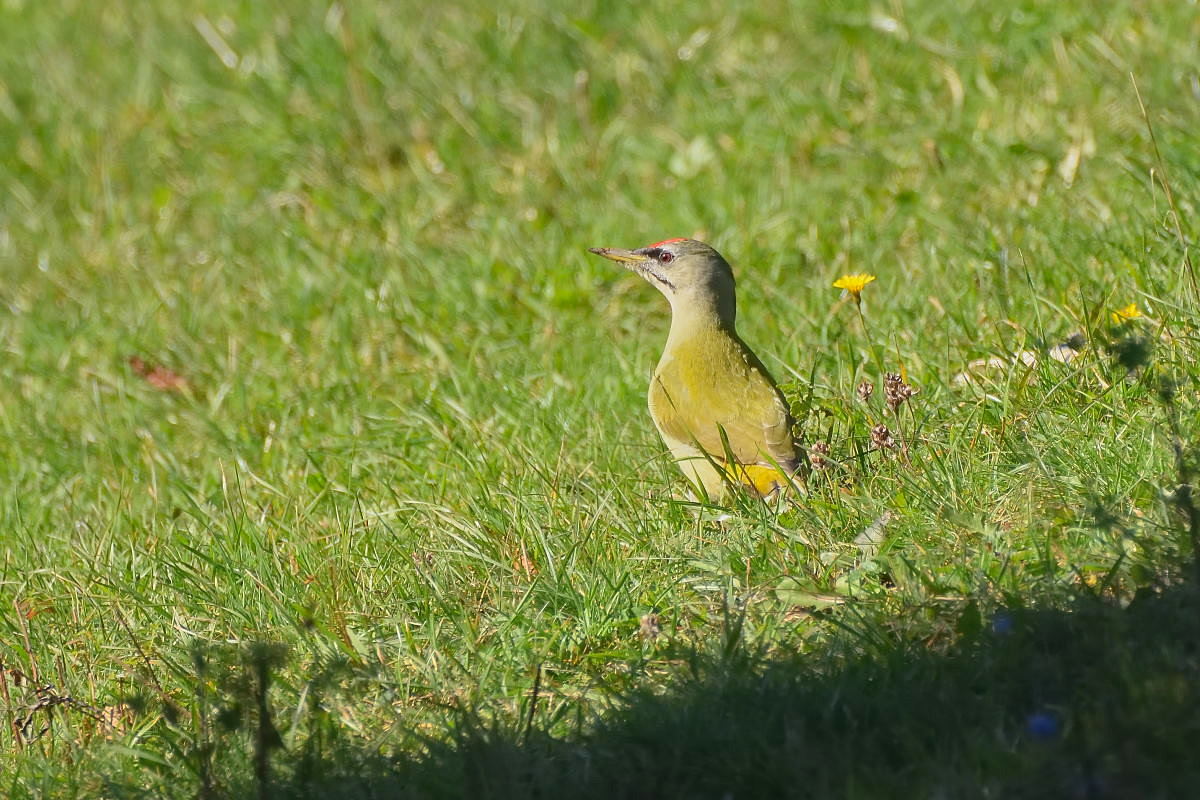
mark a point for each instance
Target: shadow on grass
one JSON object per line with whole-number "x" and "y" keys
{"x": 1094, "y": 702}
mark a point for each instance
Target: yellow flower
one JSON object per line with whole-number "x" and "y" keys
{"x": 854, "y": 284}
{"x": 1125, "y": 314}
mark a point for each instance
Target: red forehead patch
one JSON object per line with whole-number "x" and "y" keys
{"x": 668, "y": 241}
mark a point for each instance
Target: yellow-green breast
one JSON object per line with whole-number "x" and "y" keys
{"x": 710, "y": 381}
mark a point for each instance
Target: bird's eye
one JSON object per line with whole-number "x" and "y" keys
{"x": 666, "y": 257}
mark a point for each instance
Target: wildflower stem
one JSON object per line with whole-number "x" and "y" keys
{"x": 902, "y": 439}
{"x": 876, "y": 355}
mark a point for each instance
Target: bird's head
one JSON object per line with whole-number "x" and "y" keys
{"x": 693, "y": 276}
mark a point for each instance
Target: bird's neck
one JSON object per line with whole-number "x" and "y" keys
{"x": 701, "y": 312}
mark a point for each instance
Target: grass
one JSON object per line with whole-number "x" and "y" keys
{"x": 391, "y": 518}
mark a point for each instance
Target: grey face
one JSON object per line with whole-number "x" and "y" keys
{"x": 673, "y": 265}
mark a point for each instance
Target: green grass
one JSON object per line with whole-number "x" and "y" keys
{"x": 412, "y": 480}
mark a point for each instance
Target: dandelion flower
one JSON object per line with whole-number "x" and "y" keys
{"x": 1126, "y": 314}
{"x": 854, "y": 284}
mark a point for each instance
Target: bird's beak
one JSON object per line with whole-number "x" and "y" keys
{"x": 620, "y": 256}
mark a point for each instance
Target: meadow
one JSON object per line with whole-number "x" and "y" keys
{"x": 325, "y": 467}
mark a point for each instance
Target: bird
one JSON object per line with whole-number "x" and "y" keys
{"x": 715, "y": 405}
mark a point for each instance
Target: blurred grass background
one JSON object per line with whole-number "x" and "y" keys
{"x": 399, "y": 426}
